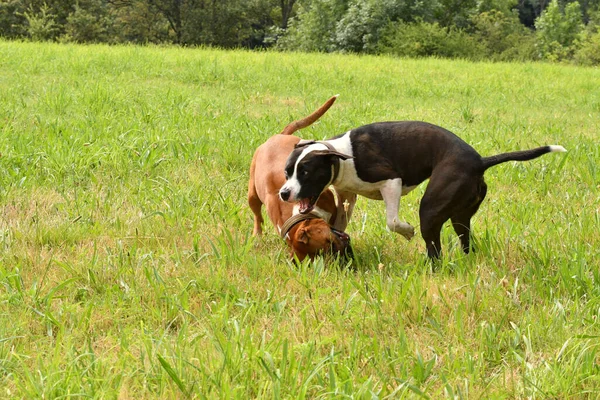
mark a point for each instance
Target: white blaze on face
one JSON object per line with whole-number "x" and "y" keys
{"x": 293, "y": 184}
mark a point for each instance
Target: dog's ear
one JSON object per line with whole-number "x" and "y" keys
{"x": 304, "y": 143}
{"x": 332, "y": 153}
{"x": 302, "y": 236}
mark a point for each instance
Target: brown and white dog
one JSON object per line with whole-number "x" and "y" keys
{"x": 306, "y": 234}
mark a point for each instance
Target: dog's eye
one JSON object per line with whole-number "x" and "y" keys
{"x": 304, "y": 173}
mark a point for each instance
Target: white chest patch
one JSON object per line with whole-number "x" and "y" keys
{"x": 326, "y": 216}
{"x": 348, "y": 179}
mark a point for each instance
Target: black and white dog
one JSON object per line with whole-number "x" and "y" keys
{"x": 385, "y": 161}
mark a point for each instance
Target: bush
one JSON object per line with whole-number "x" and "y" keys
{"x": 12, "y": 21}
{"x": 41, "y": 25}
{"x": 128, "y": 28}
{"x": 357, "y": 30}
{"x": 589, "y": 49}
{"x": 503, "y": 36}
{"x": 314, "y": 27}
{"x": 558, "y": 31}
{"x": 589, "y": 52}
{"x": 423, "y": 39}
{"x": 90, "y": 22}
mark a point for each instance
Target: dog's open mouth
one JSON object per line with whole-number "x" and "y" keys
{"x": 306, "y": 205}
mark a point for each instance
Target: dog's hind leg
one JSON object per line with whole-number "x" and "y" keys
{"x": 438, "y": 204}
{"x": 462, "y": 227}
{"x": 391, "y": 193}
{"x": 255, "y": 206}
{"x": 255, "y": 203}
{"x": 431, "y": 226}
{"x": 461, "y": 221}
{"x": 450, "y": 194}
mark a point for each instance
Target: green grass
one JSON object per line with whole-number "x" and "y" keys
{"x": 127, "y": 268}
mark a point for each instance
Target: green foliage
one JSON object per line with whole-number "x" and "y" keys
{"x": 314, "y": 27}
{"x": 357, "y": 30}
{"x": 228, "y": 23}
{"x": 493, "y": 35}
{"x": 505, "y": 7}
{"x": 456, "y": 13}
{"x": 423, "y": 39}
{"x": 558, "y": 31}
{"x": 128, "y": 29}
{"x": 58, "y": 9}
{"x": 500, "y": 28}
{"x": 90, "y": 22}
{"x": 12, "y": 21}
{"x": 360, "y": 28}
{"x": 503, "y": 36}
{"x": 219, "y": 23}
{"x": 588, "y": 52}
{"x": 41, "y": 24}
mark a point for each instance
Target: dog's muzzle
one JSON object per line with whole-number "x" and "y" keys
{"x": 284, "y": 194}
{"x": 344, "y": 239}
{"x": 343, "y": 236}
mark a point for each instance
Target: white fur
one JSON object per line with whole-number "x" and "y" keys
{"x": 347, "y": 185}
{"x": 557, "y": 149}
{"x": 391, "y": 192}
{"x": 317, "y": 211}
{"x": 348, "y": 180}
{"x": 342, "y": 144}
{"x": 292, "y": 184}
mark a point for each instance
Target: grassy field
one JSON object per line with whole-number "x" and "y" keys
{"x": 128, "y": 270}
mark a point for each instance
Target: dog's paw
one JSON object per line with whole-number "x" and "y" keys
{"x": 408, "y": 232}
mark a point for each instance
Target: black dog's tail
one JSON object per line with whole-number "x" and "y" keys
{"x": 520, "y": 155}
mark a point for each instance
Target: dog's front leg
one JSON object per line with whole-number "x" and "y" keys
{"x": 391, "y": 193}
{"x": 345, "y": 206}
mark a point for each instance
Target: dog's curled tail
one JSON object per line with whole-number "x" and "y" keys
{"x": 304, "y": 122}
{"x": 520, "y": 155}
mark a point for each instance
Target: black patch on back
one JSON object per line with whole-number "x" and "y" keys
{"x": 407, "y": 149}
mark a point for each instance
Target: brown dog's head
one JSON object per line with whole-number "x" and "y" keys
{"x": 314, "y": 236}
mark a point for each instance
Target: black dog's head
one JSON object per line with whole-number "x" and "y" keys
{"x": 308, "y": 172}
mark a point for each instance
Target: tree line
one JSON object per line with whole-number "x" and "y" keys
{"x": 503, "y": 30}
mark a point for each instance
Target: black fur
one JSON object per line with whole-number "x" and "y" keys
{"x": 408, "y": 150}
{"x": 413, "y": 151}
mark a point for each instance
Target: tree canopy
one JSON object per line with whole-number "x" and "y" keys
{"x": 475, "y": 29}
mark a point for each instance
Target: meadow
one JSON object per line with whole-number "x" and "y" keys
{"x": 128, "y": 269}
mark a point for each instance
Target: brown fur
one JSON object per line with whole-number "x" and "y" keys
{"x": 309, "y": 237}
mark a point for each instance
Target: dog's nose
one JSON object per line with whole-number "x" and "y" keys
{"x": 342, "y": 235}
{"x": 284, "y": 194}
{"x": 345, "y": 248}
